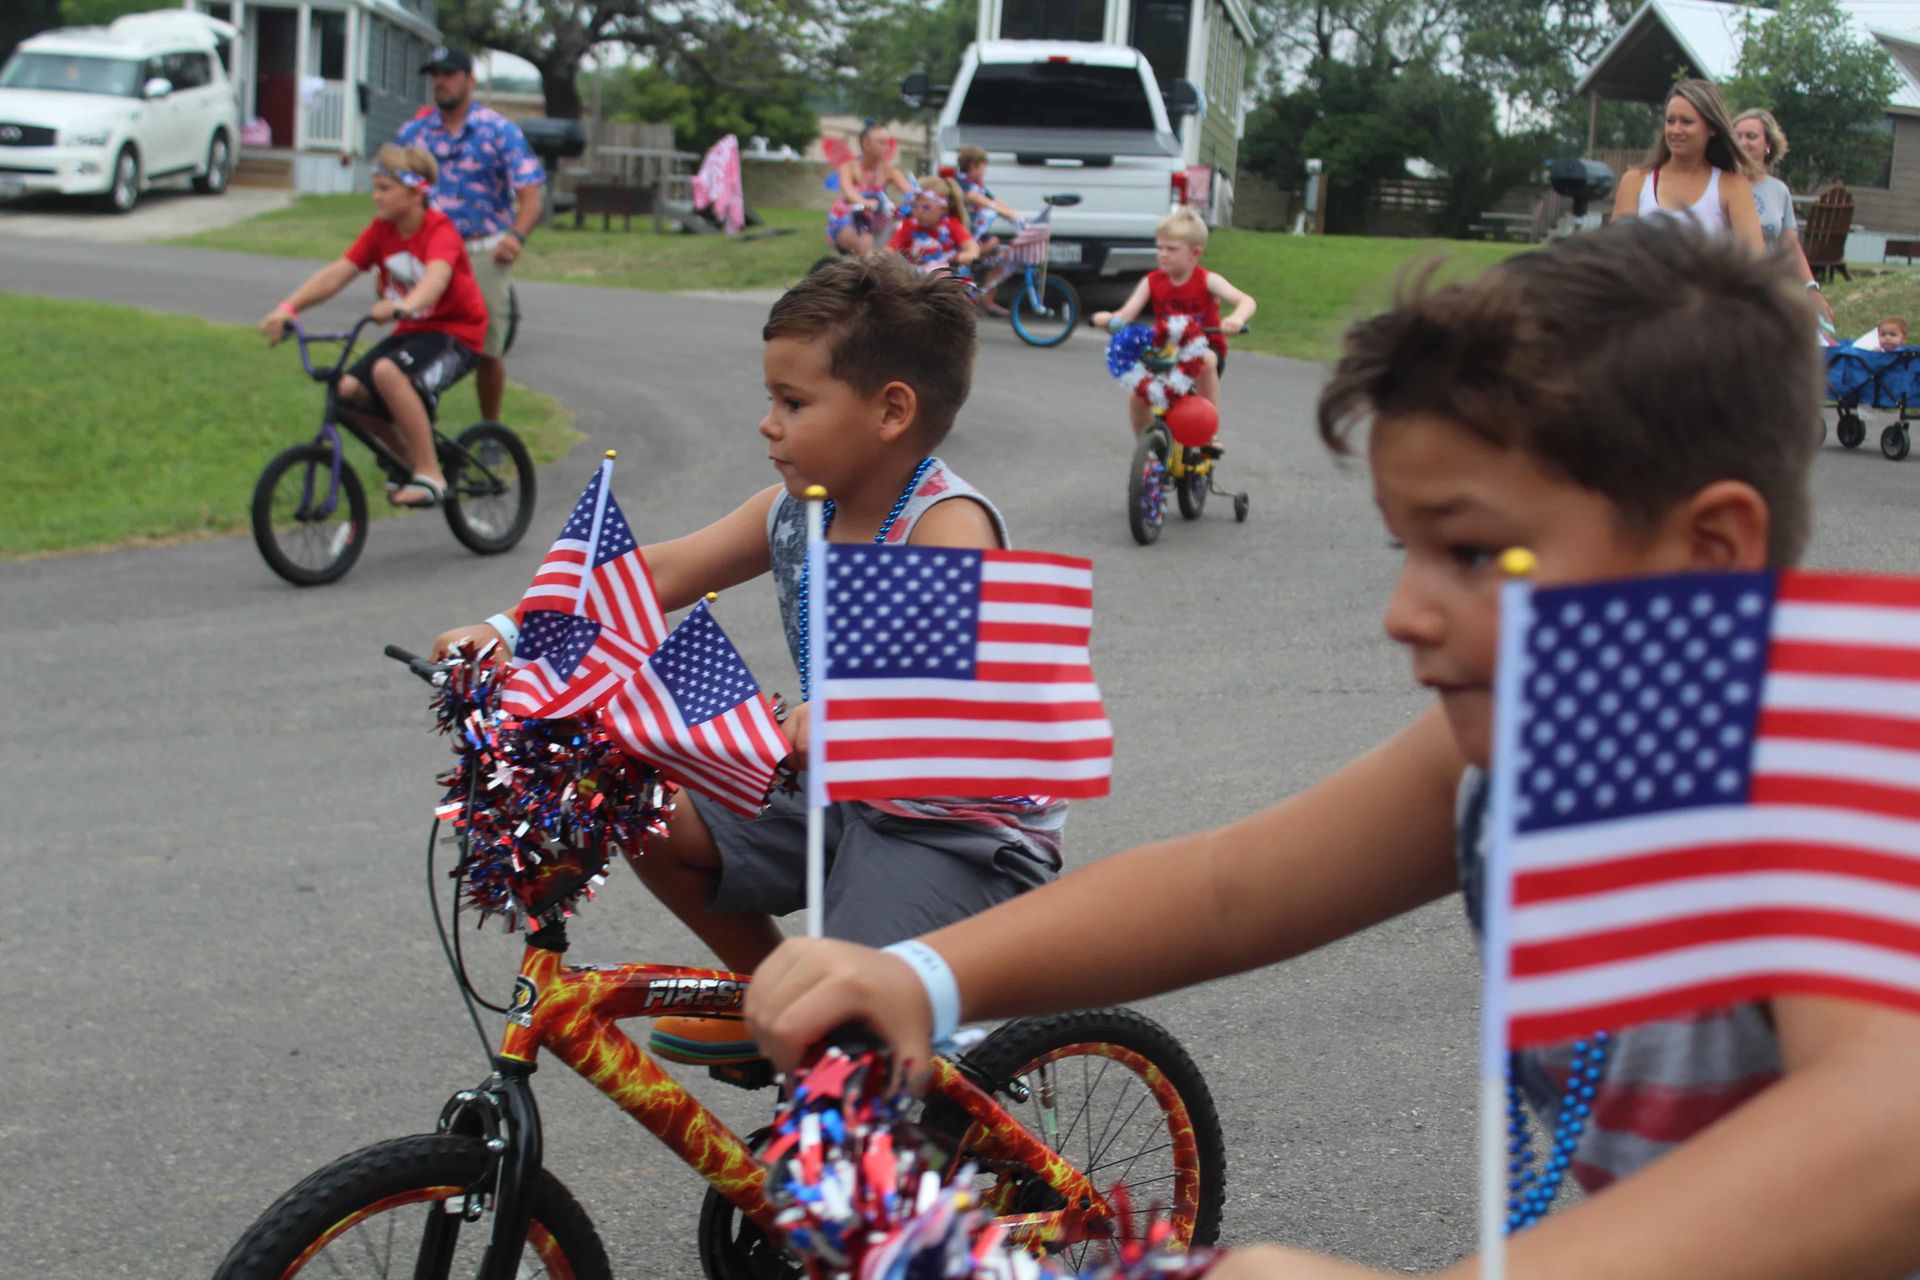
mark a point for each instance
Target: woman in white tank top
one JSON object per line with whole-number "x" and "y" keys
{"x": 1695, "y": 172}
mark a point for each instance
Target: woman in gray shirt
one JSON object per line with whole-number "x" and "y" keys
{"x": 1758, "y": 134}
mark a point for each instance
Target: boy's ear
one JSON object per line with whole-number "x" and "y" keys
{"x": 1724, "y": 526}
{"x": 899, "y": 411}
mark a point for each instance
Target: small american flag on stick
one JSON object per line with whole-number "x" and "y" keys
{"x": 1715, "y": 794}
{"x": 953, "y": 672}
{"x": 614, "y": 588}
{"x": 694, "y": 711}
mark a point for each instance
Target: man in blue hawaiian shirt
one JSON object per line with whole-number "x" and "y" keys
{"x": 489, "y": 187}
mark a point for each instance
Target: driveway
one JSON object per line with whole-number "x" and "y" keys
{"x": 162, "y": 214}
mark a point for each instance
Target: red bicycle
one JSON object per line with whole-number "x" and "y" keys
{"x": 1045, "y": 1108}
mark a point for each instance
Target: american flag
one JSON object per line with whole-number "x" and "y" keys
{"x": 956, "y": 672}
{"x": 1717, "y": 797}
{"x": 693, "y": 711}
{"x": 566, "y": 664}
{"x": 619, "y": 589}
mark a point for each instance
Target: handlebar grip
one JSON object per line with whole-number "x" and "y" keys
{"x": 853, "y": 1038}
{"x": 432, "y": 672}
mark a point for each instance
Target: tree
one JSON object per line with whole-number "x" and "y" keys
{"x": 98, "y": 13}
{"x": 24, "y": 18}
{"x": 883, "y": 41}
{"x": 733, "y": 80}
{"x": 1827, "y": 85}
{"x": 1460, "y": 138}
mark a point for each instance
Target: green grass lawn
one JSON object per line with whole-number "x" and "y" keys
{"x": 1309, "y": 287}
{"x": 1873, "y": 294}
{"x": 123, "y": 426}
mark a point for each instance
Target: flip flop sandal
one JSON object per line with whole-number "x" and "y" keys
{"x": 436, "y": 494}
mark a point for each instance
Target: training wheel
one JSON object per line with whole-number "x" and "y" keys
{"x": 1239, "y": 508}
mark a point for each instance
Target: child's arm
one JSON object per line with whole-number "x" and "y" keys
{"x": 420, "y": 299}
{"x": 1242, "y": 303}
{"x": 313, "y": 291}
{"x": 850, "y": 189}
{"x": 1129, "y": 310}
{"x": 969, "y": 247}
{"x": 726, "y": 553}
{"x": 1316, "y": 867}
{"x": 902, "y": 237}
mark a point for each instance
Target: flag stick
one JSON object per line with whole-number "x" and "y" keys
{"x": 1516, "y": 610}
{"x": 593, "y": 538}
{"x": 817, "y": 710}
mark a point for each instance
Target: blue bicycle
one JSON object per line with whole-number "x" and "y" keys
{"x": 1045, "y": 307}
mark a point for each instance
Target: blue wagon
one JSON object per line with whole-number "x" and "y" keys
{"x": 1858, "y": 378}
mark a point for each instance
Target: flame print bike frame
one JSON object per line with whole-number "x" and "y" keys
{"x": 572, "y": 1011}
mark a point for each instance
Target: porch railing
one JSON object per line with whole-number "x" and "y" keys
{"x": 323, "y": 115}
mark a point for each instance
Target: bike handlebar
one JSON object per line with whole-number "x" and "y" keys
{"x": 434, "y": 673}
{"x": 351, "y": 336}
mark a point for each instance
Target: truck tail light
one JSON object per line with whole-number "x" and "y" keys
{"x": 1177, "y": 188}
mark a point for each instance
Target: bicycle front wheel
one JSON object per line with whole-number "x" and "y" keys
{"x": 1045, "y": 311}
{"x": 1147, "y": 486}
{"x": 399, "y": 1208}
{"x": 304, "y": 537}
{"x": 1117, "y": 1096}
{"x": 490, "y": 499}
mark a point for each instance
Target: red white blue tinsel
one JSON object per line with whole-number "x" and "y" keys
{"x": 1161, "y": 387}
{"x": 858, "y": 1199}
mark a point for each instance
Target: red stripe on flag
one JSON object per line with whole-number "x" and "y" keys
{"x": 907, "y": 788}
{"x": 989, "y": 558}
{"x": 1525, "y": 1030}
{"x": 1821, "y": 658}
{"x": 1662, "y": 1112}
{"x": 1841, "y": 726}
{"x": 1032, "y": 673}
{"x": 1665, "y": 866}
{"x": 1836, "y": 793}
{"x": 1537, "y": 959}
{"x": 845, "y": 709}
{"x": 842, "y": 751}
{"x": 1036, "y": 593}
{"x": 1034, "y": 633}
{"x": 1849, "y": 588}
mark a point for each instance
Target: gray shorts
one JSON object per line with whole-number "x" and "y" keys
{"x": 888, "y": 877}
{"x": 493, "y": 280}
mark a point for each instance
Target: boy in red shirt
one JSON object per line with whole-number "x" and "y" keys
{"x": 1182, "y": 287}
{"x": 426, "y": 284}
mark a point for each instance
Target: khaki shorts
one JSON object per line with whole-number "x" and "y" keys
{"x": 493, "y": 278}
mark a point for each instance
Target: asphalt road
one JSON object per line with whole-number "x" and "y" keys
{"x": 221, "y": 967}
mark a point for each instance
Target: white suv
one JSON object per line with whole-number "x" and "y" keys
{"x": 106, "y": 111}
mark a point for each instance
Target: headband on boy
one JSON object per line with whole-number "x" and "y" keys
{"x": 405, "y": 177}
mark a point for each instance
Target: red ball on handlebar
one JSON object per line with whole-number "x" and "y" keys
{"x": 1193, "y": 421}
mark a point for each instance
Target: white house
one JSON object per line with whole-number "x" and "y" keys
{"x": 1665, "y": 39}
{"x": 1203, "y": 41}
{"x": 330, "y": 79}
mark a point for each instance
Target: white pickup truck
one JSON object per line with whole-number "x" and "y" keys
{"x": 1058, "y": 116}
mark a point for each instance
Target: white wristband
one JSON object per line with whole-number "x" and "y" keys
{"x": 509, "y": 633}
{"x": 943, "y": 993}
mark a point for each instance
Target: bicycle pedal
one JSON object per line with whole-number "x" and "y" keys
{"x": 758, "y": 1074}
{"x": 1213, "y": 451}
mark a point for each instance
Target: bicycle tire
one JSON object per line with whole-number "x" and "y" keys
{"x": 281, "y": 532}
{"x": 1142, "y": 1049}
{"x": 471, "y": 497}
{"x": 1049, "y": 320}
{"x": 1191, "y": 488}
{"x": 513, "y": 320}
{"x": 732, "y": 1246}
{"x": 391, "y": 1180}
{"x": 1146, "y": 486}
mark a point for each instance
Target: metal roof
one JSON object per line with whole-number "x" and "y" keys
{"x": 1665, "y": 38}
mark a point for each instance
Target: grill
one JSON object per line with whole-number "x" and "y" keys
{"x": 25, "y": 135}
{"x": 1028, "y": 248}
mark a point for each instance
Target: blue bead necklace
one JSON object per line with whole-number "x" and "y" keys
{"x": 801, "y": 614}
{"x": 1531, "y": 1191}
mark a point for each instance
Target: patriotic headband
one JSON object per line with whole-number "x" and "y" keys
{"x": 405, "y": 177}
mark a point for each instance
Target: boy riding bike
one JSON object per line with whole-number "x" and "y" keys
{"x": 1182, "y": 287}
{"x": 867, "y": 365}
{"x": 1554, "y": 403}
{"x": 427, "y": 284}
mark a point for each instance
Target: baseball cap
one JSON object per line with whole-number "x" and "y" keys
{"x": 445, "y": 57}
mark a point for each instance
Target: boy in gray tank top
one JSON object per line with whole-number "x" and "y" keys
{"x": 867, "y": 365}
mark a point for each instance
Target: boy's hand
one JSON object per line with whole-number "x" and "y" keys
{"x": 386, "y": 311}
{"x": 1230, "y": 325}
{"x": 274, "y": 325}
{"x": 476, "y": 636}
{"x": 795, "y": 727}
{"x": 809, "y": 986}
{"x": 1101, "y": 320}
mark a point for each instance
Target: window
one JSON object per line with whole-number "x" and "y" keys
{"x": 1057, "y": 95}
{"x": 188, "y": 70}
{"x": 70, "y": 73}
{"x": 327, "y": 46}
{"x": 1053, "y": 20}
{"x": 1160, "y": 32}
